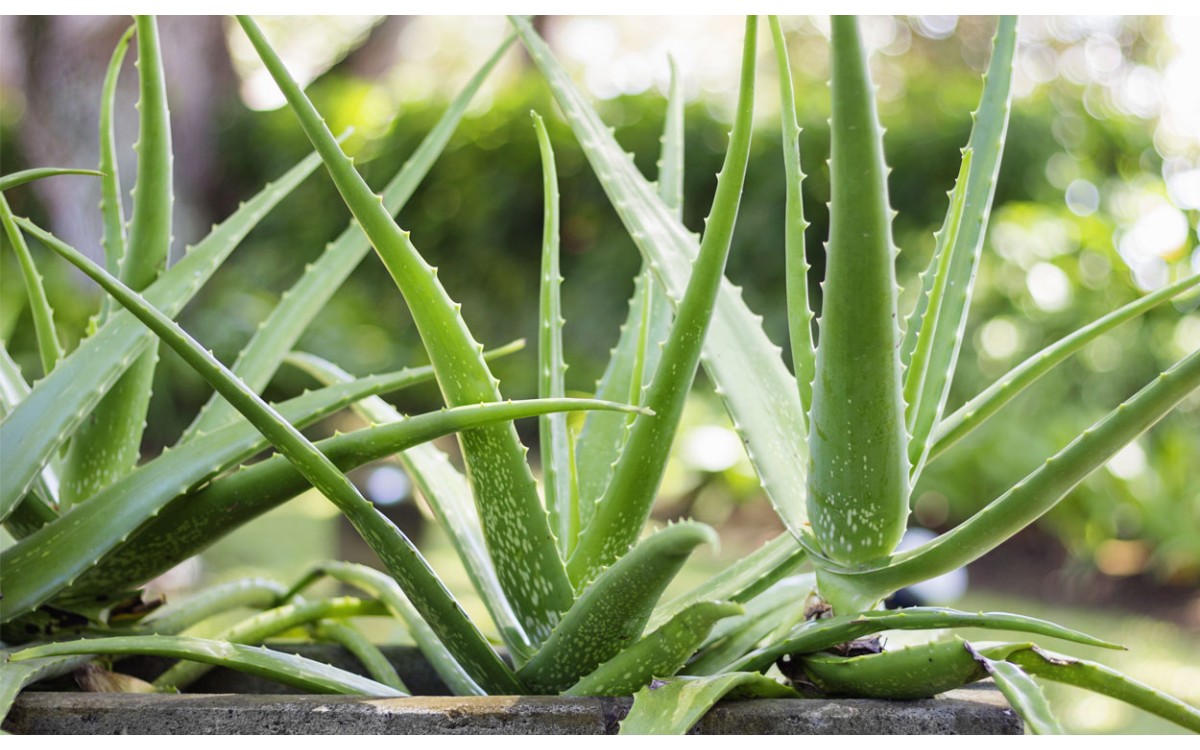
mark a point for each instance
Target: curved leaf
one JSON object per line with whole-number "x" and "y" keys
{"x": 674, "y": 706}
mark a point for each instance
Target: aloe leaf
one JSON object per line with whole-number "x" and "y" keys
{"x": 1023, "y": 694}
{"x": 919, "y": 405}
{"x": 977, "y": 411}
{"x": 659, "y": 654}
{"x": 87, "y": 533}
{"x": 288, "y": 669}
{"x": 398, "y": 554}
{"x": 449, "y": 497}
{"x": 10, "y": 181}
{"x": 559, "y": 486}
{"x": 108, "y": 443}
{"x": 385, "y": 589}
{"x": 634, "y": 360}
{"x": 909, "y": 673}
{"x": 758, "y": 391}
{"x": 514, "y": 522}
{"x": 16, "y": 676}
{"x": 279, "y": 332}
{"x": 40, "y": 423}
{"x": 368, "y": 654}
{"x": 112, "y": 210}
{"x": 858, "y": 481}
{"x": 985, "y": 145}
{"x": 776, "y": 610}
{"x": 1030, "y": 498}
{"x": 818, "y": 635}
{"x": 1105, "y": 681}
{"x": 49, "y": 348}
{"x": 625, "y": 506}
{"x": 800, "y": 314}
{"x": 40, "y": 506}
{"x": 614, "y": 609}
{"x": 257, "y": 593}
{"x": 188, "y": 525}
{"x": 255, "y": 630}
{"x": 674, "y": 706}
{"x": 742, "y": 580}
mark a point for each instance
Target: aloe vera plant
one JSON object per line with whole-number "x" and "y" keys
{"x": 571, "y": 582}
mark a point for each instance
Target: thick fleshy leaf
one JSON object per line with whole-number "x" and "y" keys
{"x": 775, "y": 611}
{"x": 625, "y": 506}
{"x": 288, "y": 669}
{"x": 49, "y": 347}
{"x": 368, "y": 654}
{"x": 614, "y": 609}
{"x": 35, "y": 428}
{"x": 256, "y": 593}
{"x": 10, "y": 181}
{"x": 112, "y": 210}
{"x": 674, "y": 706}
{"x": 278, "y": 333}
{"x": 398, "y": 554}
{"x": 40, "y": 506}
{"x": 108, "y": 443}
{"x": 748, "y": 370}
{"x": 514, "y": 522}
{"x": 910, "y": 673}
{"x": 858, "y": 471}
{"x": 659, "y": 654}
{"x": 1023, "y": 694}
{"x": 449, "y": 497}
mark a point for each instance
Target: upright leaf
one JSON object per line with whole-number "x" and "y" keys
{"x": 559, "y": 487}
{"x": 278, "y": 333}
{"x": 800, "y": 314}
{"x": 948, "y": 314}
{"x": 757, "y": 389}
{"x": 626, "y": 503}
{"x": 49, "y": 348}
{"x": 514, "y": 522}
{"x": 858, "y": 476}
{"x": 112, "y": 210}
{"x": 108, "y": 443}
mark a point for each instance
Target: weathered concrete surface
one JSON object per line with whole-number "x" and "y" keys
{"x": 974, "y": 711}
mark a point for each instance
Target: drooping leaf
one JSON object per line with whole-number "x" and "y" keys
{"x": 257, "y": 593}
{"x": 10, "y": 181}
{"x": 1023, "y": 694}
{"x": 288, "y": 669}
{"x": 514, "y": 522}
{"x": 625, "y": 505}
{"x": 776, "y": 610}
{"x": 909, "y": 673}
{"x": 614, "y": 609}
{"x": 674, "y": 706}
{"x": 368, "y": 654}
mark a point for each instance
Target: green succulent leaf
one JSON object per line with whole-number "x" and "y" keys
{"x": 112, "y": 210}
{"x": 775, "y": 611}
{"x": 16, "y": 676}
{"x": 368, "y": 654}
{"x": 398, "y": 554}
{"x": 944, "y": 317}
{"x": 49, "y": 347}
{"x": 1023, "y": 694}
{"x": 659, "y": 654}
{"x": 674, "y": 706}
{"x": 757, "y": 389}
{"x": 278, "y": 333}
{"x": 1105, "y": 681}
{"x": 817, "y": 635}
{"x": 989, "y": 401}
{"x": 625, "y": 505}
{"x": 909, "y": 673}
{"x": 386, "y": 591}
{"x": 449, "y": 497}
{"x": 256, "y": 593}
{"x": 108, "y": 443}
{"x": 10, "y": 181}
{"x": 255, "y": 630}
{"x": 614, "y": 609}
{"x": 514, "y": 522}
{"x": 858, "y": 471}
{"x": 37, "y": 426}
{"x": 288, "y": 669}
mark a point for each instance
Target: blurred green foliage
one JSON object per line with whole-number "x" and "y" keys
{"x": 1048, "y": 268}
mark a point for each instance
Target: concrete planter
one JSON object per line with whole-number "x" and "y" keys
{"x": 975, "y": 710}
